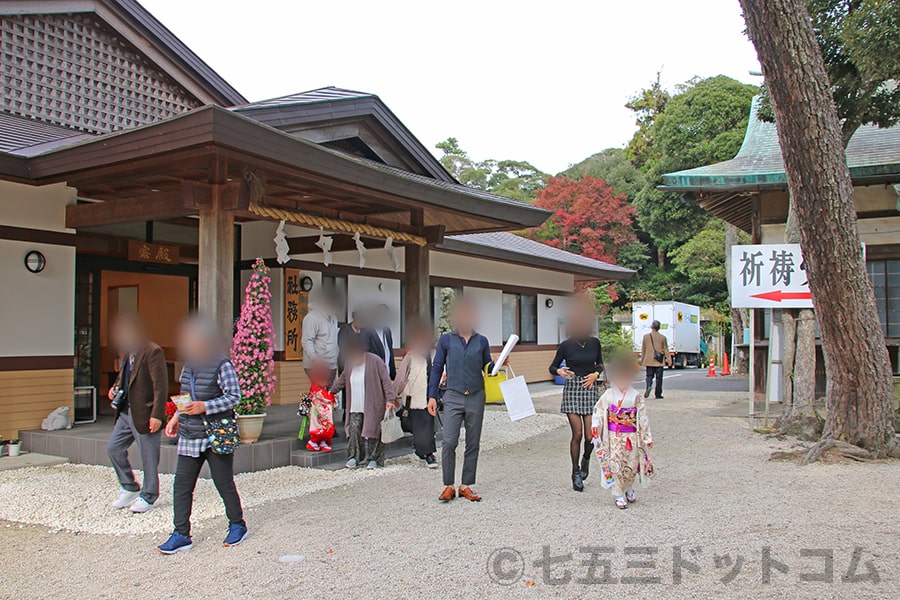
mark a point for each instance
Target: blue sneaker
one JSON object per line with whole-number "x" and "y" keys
{"x": 237, "y": 533}
{"x": 176, "y": 543}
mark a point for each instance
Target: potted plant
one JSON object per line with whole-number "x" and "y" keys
{"x": 13, "y": 446}
{"x": 252, "y": 354}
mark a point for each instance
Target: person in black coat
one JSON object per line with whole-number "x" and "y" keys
{"x": 352, "y": 330}
{"x": 379, "y": 340}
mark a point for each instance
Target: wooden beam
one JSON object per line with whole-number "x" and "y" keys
{"x": 233, "y": 195}
{"x": 417, "y": 292}
{"x": 342, "y": 242}
{"x": 215, "y": 284}
{"x": 145, "y": 208}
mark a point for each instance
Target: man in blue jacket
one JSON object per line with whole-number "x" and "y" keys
{"x": 465, "y": 353}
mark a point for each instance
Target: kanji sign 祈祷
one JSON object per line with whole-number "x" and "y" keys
{"x": 157, "y": 253}
{"x": 769, "y": 276}
{"x": 295, "y": 308}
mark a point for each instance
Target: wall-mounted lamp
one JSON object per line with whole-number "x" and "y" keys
{"x": 35, "y": 261}
{"x": 548, "y": 302}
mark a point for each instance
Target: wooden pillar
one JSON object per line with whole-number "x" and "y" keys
{"x": 417, "y": 297}
{"x": 215, "y": 296}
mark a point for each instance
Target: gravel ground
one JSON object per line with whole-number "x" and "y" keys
{"x": 717, "y": 499}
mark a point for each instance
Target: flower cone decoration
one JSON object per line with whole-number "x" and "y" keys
{"x": 254, "y": 344}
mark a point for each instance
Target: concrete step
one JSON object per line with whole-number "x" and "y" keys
{"x": 30, "y": 459}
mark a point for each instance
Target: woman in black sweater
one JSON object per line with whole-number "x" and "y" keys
{"x": 584, "y": 363}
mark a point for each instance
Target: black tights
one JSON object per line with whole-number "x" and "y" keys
{"x": 581, "y": 430}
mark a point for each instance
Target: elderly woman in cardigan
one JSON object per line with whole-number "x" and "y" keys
{"x": 368, "y": 392}
{"x": 411, "y": 386}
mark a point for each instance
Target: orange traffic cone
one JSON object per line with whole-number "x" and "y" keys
{"x": 712, "y": 368}
{"x": 726, "y": 368}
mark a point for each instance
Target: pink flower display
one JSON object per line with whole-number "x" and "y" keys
{"x": 254, "y": 344}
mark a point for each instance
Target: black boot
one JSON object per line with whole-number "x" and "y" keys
{"x": 586, "y": 464}
{"x": 577, "y": 483}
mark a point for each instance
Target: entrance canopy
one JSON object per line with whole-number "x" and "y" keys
{"x": 166, "y": 170}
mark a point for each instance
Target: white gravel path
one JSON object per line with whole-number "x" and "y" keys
{"x": 386, "y": 536}
{"x": 76, "y": 497}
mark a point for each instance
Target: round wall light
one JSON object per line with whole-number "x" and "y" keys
{"x": 35, "y": 261}
{"x": 548, "y": 302}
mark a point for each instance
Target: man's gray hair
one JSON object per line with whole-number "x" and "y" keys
{"x": 655, "y": 325}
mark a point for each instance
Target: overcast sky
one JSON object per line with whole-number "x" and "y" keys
{"x": 538, "y": 81}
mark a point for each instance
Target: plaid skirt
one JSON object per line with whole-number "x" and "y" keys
{"x": 580, "y": 400}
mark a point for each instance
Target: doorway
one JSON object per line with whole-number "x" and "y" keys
{"x": 161, "y": 295}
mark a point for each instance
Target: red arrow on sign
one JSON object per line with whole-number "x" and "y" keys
{"x": 778, "y": 296}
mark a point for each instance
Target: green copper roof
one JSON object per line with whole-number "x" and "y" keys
{"x": 873, "y": 156}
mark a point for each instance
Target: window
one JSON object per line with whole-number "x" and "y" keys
{"x": 885, "y": 276}
{"x": 338, "y": 285}
{"x": 520, "y": 317}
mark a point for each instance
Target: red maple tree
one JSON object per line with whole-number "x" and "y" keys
{"x": 589, "y": 217}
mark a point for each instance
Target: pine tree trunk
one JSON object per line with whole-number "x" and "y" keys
{"x": 859, "y": 402}
{"x": 788, "y": 355}
{"x": 799, "y": 365}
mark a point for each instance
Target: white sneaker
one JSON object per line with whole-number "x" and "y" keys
{"x": 125, "y": 498}
{"x": 372, "y": 465}
{"x": 141, "y": 506}
{"x": 351, "y": 463}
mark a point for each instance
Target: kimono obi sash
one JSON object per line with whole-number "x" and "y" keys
{"x": 622, "y": 420}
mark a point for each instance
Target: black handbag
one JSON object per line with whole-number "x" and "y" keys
{"x": 657, "y": 355}
{"x": 405, "y": 421}
{"x": 221, "y": 430}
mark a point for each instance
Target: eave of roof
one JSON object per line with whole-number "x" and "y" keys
{"x": 213, "y": 125}
{"x": 510, "y": 247}
{"x": 331, "y": 102}
{"x": 873, "y": 156}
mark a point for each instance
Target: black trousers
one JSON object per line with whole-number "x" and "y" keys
{"x": 422, "y": 424}
{"x": 187, "y": 470}
{"x": 658, "y": 373}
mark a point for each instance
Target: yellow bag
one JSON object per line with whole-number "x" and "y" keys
{"x": 492, "y": 393}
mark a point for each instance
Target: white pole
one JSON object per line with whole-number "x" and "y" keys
{"x": 752, "y": 357}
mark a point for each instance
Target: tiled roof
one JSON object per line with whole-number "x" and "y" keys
{"x": 515, "y": 248}
{"x": 325, "y": 94}
{"x": 872, "y": 154}
{"x": 17, "y": 133}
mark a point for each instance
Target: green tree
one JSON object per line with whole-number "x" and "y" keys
{"x": 702, "y": 124}
{"x": 860, "y": 42}
{"x": 647, "y": 105}
{"x": 613, "y": 167}
{"x": 514, "y": 179}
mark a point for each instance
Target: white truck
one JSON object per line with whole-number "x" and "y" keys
{"x": 679, "y": 322}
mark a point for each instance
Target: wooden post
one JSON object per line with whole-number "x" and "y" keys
{"x": 417, "y": 297}
{"x": 216, "y": 264}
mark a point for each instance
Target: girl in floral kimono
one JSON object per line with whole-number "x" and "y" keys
{"x": 621, "y": 432}
{"x": 322, "y": 401}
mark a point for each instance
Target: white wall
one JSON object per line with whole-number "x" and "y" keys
{"x": 37, "y": 310}
{"x": 549, "y": 318}
{"x": 490, "y": 312}
{"x": 473, "y": 269}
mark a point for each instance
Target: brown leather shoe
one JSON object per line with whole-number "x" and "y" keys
{"x": 448, "y": 494}
{"x": 468, "y": 494}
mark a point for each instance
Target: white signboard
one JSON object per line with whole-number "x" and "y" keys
{"x": 769, "y": 276}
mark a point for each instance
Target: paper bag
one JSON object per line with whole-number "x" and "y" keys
{"x": 517, "y": 398}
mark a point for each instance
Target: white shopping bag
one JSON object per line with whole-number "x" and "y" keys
{"x": 517, "y": 398}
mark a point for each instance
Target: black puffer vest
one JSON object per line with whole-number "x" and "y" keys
{"x": 206, "y": 387}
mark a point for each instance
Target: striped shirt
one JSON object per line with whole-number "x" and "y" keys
{"x": 231, "y": 397}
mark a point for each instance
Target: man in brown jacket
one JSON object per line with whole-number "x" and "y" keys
{"x": 139, "y": 398}
{"x": 653, "y": 346}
